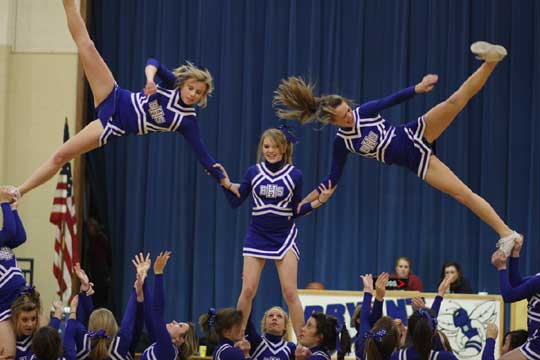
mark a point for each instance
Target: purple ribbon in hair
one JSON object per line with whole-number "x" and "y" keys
{"x": 211, "y": 317}
{"x": 28, "y": 290}
{"x": 376, "y": 335}
{"x": 100, "y": 334}
{"x": 293, "y": 139}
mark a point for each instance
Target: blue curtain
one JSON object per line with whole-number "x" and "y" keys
{"x": 153, "y": 195}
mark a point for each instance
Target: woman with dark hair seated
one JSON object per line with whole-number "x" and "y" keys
{"x": 459, "y": 284}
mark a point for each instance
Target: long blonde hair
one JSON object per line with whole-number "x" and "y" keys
{"x": 280, "y": 140}
{"x": 286, "y": 336}
{"x": 102, "y": 319}
{"x": 191, "y": 343}
{"x": 189, "y": 71}
{"x": 294, "y": 100}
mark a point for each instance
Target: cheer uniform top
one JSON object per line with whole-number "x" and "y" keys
{"x": 124, "y": 112}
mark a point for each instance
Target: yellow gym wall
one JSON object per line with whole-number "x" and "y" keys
{"x": 38, "y": 87}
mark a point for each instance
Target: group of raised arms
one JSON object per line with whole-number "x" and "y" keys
{"x": 169, "y": 103}
{"x": 94, "y": 333}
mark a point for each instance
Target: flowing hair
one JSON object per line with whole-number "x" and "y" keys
{"x": 294, "y": 100}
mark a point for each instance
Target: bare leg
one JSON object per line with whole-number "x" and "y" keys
{"x": 288, "y": 275}
{"x": 442, "y": 178}
{"x": 250, "y": 282}
{"x": 441, "y": 116}
{"x": 97, "y": 72}
{"x": 515, "y": 354}
{"x": 8, "y": 338}
{"x": 85, "y": 140}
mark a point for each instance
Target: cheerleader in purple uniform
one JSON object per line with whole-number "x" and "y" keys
{"x": 225, "y": 327}
{"x": 173, "y": 340}
{"x": 364, "y": 131}
{"x": 515, "y": 288}
{"x": 47, "y": 345}
{"x": 169, "y": 107}
{"x": 276, "y": 189}
{"x": 274, "y": 342}
{"x": 320, "y": 337}
{"x": 25, "y": 313}
{"x": 95, "y": 333}
{"x": 12, "y": 279}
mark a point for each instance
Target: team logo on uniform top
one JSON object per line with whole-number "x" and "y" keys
{"x": 156, "y": 112}
{"x": 467, "y": 332}
{"x": 369, "y": 143}
{"x": 271, "y": 191}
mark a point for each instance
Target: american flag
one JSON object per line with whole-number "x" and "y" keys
{"x": 63, "y": 216}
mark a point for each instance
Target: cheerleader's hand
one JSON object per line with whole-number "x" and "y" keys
{"x": 445, "y": 284}
{"x": 58, "y": 309}
{"x": 302, "y": 353}
{"x": 427, "y": 84}
{"x": 161, "y": 262}
{"x": 418, "y": 303}
{"x": 492, "y": 331}
{"x": 498, "y": 259}
{"x": 81, "y": 274}
{"x": 226, "y": 181}
{"x": 142, "y": 264}
{"x": 326, "y": 192}
{"x": 380, "y": 285}
{"x": 368, "y": 283}
{"x": 244, "y": 346}
{"x": 150, "y": 88}
{"x": 222, "y": 169}
{"x": 518, "y": 244}
{"x": 5, "y": 195}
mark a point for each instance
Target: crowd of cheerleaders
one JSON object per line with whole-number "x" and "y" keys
{"x": 95, "y": 334}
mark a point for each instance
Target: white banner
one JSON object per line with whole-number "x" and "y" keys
{"x": 462, "y": 317}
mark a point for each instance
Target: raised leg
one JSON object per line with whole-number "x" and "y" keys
{"x": 85, "y": 140}
{"x": 442, "y": 178}
{"x": 96, "y": 70}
